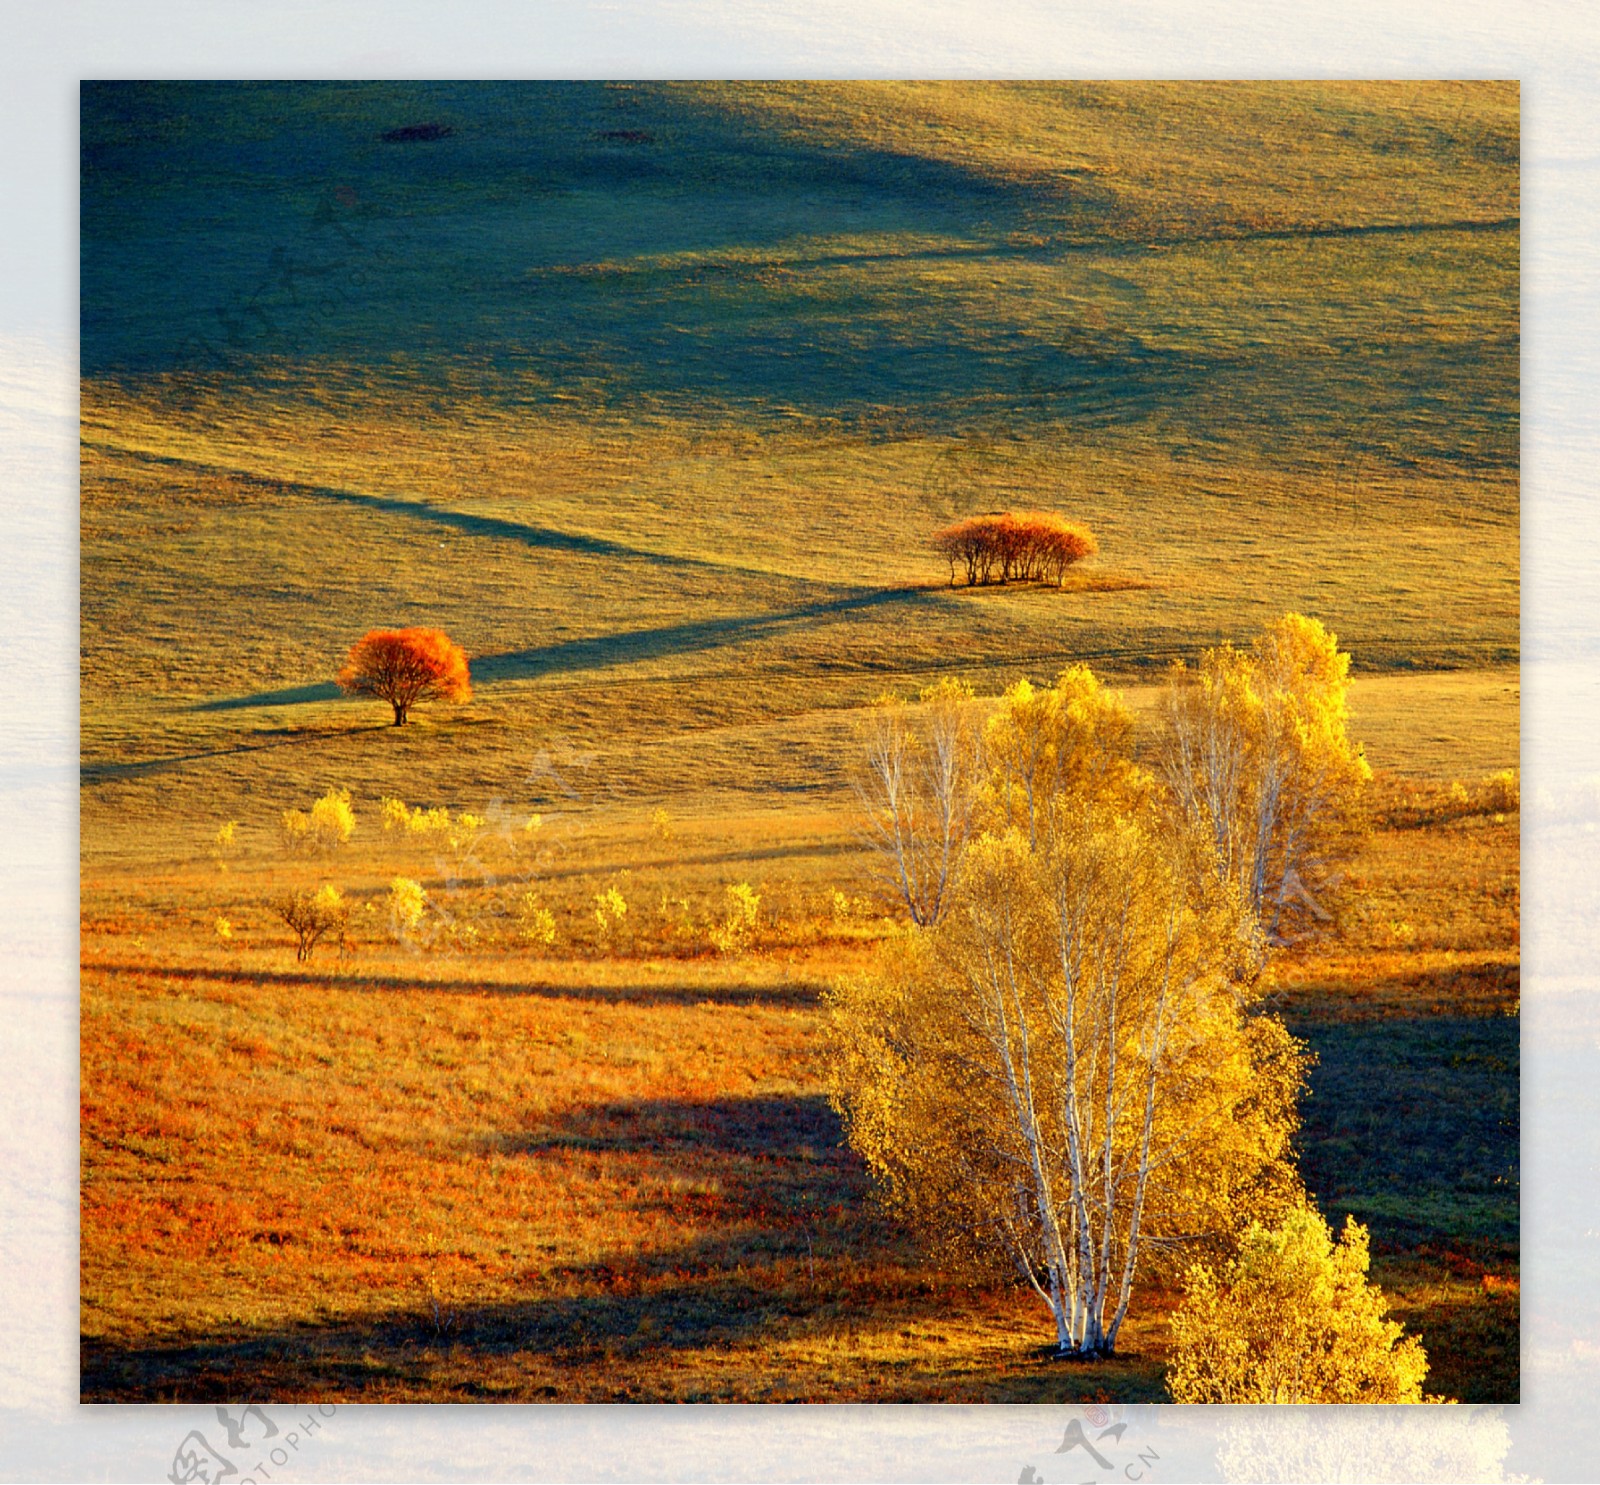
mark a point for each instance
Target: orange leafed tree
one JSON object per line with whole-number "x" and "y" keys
{"x": 405, "y": 666}
{"x": 1022, "y": 546}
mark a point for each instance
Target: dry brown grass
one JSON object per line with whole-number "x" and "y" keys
{"x": 483, "y": 1171}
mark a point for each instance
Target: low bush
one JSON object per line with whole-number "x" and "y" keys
{"x": 536, "y": 923}
{"x": 329, "y": 824}
{"x": 733, "y": 934}
{"x": 407, "y": 902}
{"x": 1292, "y": 1319}
{"x": 1413, "y": 803}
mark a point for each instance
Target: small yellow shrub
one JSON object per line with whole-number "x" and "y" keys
{"x": 224, "y": 929}
{"x": 1504, "y": 791}
{"x": 610, "y": 908}
{"x": 296, "y": 828}
{"x": 536, "y": 922}
{"x": 661, "y": 826}
{"x": 733, "y": 934}
{"x": 395, "y": 814}
{"x": 313, "y": 915}
{"x": 330, "y": 824}
{"x": 398, "y": 815}
{"x": 464, "y": 836}
{"x": 333, "y": 822}
{"x": 225, "y": 843}
{"x": 408, "y": 900}
{"x": 1292, "y": 1319}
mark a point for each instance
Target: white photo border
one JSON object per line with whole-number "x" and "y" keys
{"x": 1552, "y": 48}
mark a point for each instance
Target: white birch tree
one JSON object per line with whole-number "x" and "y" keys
{"x": 1260, "y": 769}
{"x": 1062, "y": 1072}
{"x": 917, "y": 789}
{"x": 1066, "y": 1063}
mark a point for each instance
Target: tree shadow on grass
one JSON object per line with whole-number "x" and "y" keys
{"x": 1490, "y": 987}
{"x": 768, "y": 1176}
{"x": 496, "y": 527}
{"x": 104, "y": 772}
{"x": 386, "y": 1349}
{"x": 803, "y": 1126}
{"x": 630, "y": 646}
{"x": 1413, "y": 1126}
{"x": 640, "y": 993}
{"x": 767, "y": 1179}
{"x": 734, "y": 856}
{"x": 319, "y": 691}
{"x": 792, "y": 1285}
{"x": 635, "y": 645}
{"x": 547, "y": 538}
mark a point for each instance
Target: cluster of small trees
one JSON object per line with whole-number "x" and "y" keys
{"x": 1068, "y": 1064}
{"x": 1251, "y": 769}
{"x": 323, "y": 913}
{"x": 1014, "y": 546}
{"x": 1257, "y": 766}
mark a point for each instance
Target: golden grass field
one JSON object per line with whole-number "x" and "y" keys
{"x": 650, "y": 396}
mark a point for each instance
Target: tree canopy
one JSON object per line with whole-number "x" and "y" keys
{"x": 1258, "y": 764}
{"x": 1061, "y": 1073}
{"x": 1063, "y": 1068}
{"x": 405, "y": 666}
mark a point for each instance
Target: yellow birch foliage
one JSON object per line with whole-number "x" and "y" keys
{"x": 1065, "y": 1062}
{"x": 408, "y": 900}
{"x": 1061, "y": 1074}
{"x": 738, "y": 925}
{"x": 1261, "y": 771}
{"x": 1292, "y": 1319}
{"x": 1043, "y": 743}
{"x": 610, "y": 909}
{"x": 395, "y": 813}
{"x": 330, "y": 824}
{"x": 537, "y": 924}
{"x": 313, "y": 916}
{"x": 333, "y": 821}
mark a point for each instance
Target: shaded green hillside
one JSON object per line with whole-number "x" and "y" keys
{"x": 1285, "y": 268}
{"x": 650, "y": 394}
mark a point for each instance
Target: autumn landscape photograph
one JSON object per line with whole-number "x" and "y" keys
{"x": 799, "y": 742}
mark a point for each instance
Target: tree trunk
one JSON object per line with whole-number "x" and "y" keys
{"x": 399, "y": 714}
